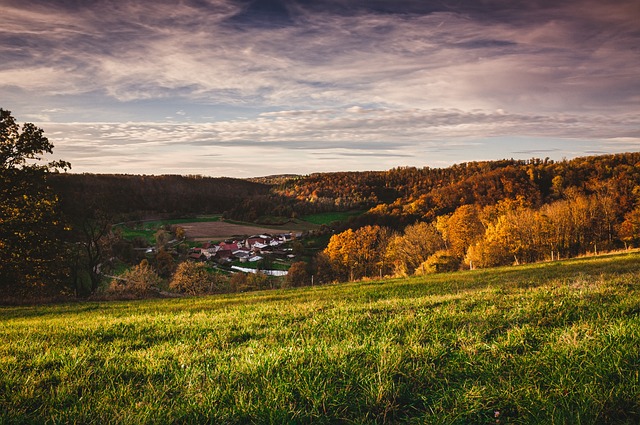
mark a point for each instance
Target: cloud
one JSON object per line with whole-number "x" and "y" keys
{"x": 291, "y": 80}
{"x": 433, "y": 57}
{"x": 356, "y": 138}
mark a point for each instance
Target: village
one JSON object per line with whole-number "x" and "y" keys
{"x": 249, "y": 250}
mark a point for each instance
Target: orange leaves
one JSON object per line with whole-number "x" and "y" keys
{"x": 356, "y": 254}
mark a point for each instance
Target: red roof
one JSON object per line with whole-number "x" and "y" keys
{"x": 229, "y": 246}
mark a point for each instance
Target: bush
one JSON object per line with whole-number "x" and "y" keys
{"x": 439, "y": 262}
{"x": 193, "y": 279}
{"x": 298, "y": 275}
{"x": 488, "y": 254}
{"x": 243, "y": 282}
{"x": 137, "y": 281}
{"x": 238, "y": 282}
{"x": 259, "y": 280}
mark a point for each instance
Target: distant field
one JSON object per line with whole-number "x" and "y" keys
{"x": 223, "y": 230}
{"x": 553, "y": 343}
{"x": 147, "y": 229}
{"x": 330, "y": 217}
{"x": 209, "y": 228}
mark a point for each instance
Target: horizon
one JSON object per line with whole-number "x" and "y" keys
{"x": 250, "y": 88}
{"x": 292, "y": 175}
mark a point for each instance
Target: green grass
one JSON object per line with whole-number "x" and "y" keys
{"x": 553, "y": 343}
{"x": 330, "y": 217}
{"x": 148, "y": 229}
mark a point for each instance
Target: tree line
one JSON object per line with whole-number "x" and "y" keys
{"x": 508, "y": 232}
{"x": 133, "y": 197}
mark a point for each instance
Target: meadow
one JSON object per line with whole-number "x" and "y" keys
{"x": 331, "y": 217}
{"x": 550, "y": 343}
{"x": 148, "y": 228}
{"x": 209, "y": 228}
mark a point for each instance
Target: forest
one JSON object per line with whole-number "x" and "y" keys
{"x": 57, "y": 228}
{"x": 133, "y": 197}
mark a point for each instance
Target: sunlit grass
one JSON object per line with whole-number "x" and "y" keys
{"x": 548, "y": 343}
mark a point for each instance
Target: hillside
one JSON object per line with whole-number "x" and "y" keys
{"x": 410, "y": 193}
{"x": 547, "y": 343}
{"x": 399, "y": 196}
{"x": 137, "y": 196}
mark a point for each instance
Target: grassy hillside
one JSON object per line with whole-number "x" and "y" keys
{"x": 549, "y": 343}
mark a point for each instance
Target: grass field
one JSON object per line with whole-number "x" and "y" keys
{"x": 330, "y": 217}
{"x": 147, "y": 229}
{"x": 211, "y": 228}
{"x": 554, "y": 343}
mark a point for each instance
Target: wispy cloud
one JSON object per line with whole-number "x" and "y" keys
{"x": 304, "y": 139}
{"x": 334, "y": 74}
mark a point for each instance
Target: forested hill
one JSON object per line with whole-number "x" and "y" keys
{"x": 135, "y": 195}
{"x": 410, "y": 193}
{"x": 395, "y": 197}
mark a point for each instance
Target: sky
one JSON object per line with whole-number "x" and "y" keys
{"x": 246, "y": 88}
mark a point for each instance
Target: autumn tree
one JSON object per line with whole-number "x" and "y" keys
{"x": 162, "y": 238}
{"x": 418, "y": 242}
{"x": 629, "y": 229}
{"x": 439, "y": 262}
{"x": 558, "y": 224}
{"x": 321, "y": 268}
{"x": 165, "y": 264}
{"x": 359, "y": 253}
{"x": 579, "y": 223}
{"x": 31, "y": 227}
{"x": 138, "y": 281}
{"x": 298, "y": 275}
{"x": 259, "y": 280}
{"x": 461, "y": 229}
{"x": 238, "y": 282}
{"x": 516, "y": 236}
{"x": 180, "y": 232}
{"x": 194, "y": 279}
{"x": 94, "y": 241}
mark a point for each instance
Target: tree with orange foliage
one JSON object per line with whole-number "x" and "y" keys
{"x": 629, "y": 229}
{"x": 359, "y": 253}
{"x": 408, "y": 251}
{"x": 461, "y": 229}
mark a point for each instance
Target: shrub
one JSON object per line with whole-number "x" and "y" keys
{"x": 136, "y": 281}
{"x": 238, "y": 282}
{"x": 298, "y": 275}
{"x": 193, "y": 279}
{"x": 439, "y": 262}
{"x": 259, "y": 280}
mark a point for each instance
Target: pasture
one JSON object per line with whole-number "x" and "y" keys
{"x": 211, "y": 228}
{"x": 546, "y": 343}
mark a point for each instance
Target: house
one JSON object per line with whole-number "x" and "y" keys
{"x": 223, "y": 255}
{"x": 209, "y": 247}
{"x": 228, "y": 246}
{"x": 258, "y": 246}
{"x": 198, "y": 256}
{"x": 242, "y": 255}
